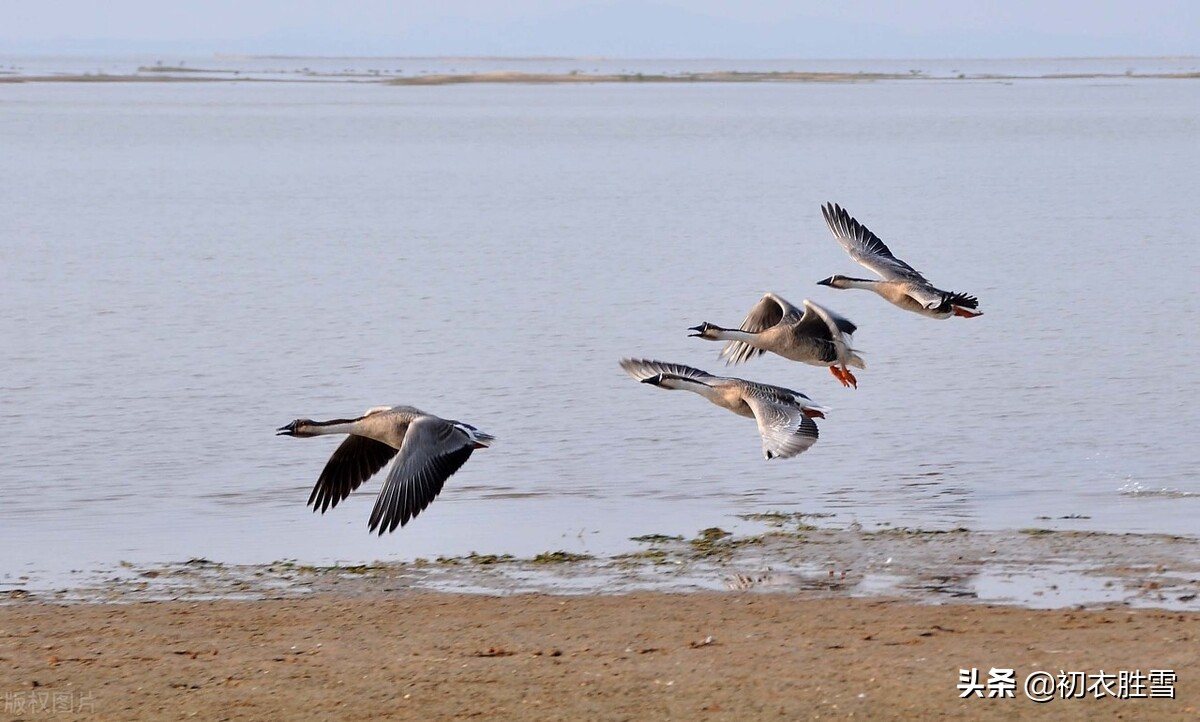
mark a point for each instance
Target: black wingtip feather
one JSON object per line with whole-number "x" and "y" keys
{"x": 393, "y": 514}
{"x": 357, "y": 459}
{"x": 964, "y": 300}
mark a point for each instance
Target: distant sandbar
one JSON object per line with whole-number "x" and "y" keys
{"x": 170, "y": 74}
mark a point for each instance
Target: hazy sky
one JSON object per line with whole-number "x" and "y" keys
{"x": 659, "y": 28}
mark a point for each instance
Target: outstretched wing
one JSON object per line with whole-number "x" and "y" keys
{"x": 354, "y": 461}
{"x": 827, "y": 329}
{"x": 836, "y": 323}
{"x": 642, "y": 369}
{"x": 769, "y": 311}
{"x": 865, "y": 247}
{"x": 432, "y": 451}
{"x": 784, "y": 428}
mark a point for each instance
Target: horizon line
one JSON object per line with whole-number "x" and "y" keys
{"x": 592, "y": 58}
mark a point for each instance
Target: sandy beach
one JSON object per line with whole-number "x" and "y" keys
{"x": 720, "y": 656}
{"x": 797, "y": 623}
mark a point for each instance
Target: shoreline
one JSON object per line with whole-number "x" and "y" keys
{"x": 1034, "y": 568}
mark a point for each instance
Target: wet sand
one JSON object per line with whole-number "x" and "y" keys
{"x": 644, "y": 656}
{"x": 795, "y": 623}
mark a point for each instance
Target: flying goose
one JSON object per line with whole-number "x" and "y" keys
{"x": 902, "y": 284}
{"x": 814, "y": 336}
{"x": 785, "y": 417}
{"x": 430, "y": 450}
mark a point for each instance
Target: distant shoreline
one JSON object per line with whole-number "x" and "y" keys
{"x": 171, "y": 74}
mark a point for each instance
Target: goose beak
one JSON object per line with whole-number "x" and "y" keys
{"x": 288, "y": 430}
{"x": 826, "y": 282}
{"x": 699, "y": 331}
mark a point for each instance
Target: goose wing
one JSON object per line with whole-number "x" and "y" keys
{"x": 642, "y": 369}
{"x": 354, "y": 461}
{"x": 837, "y": 324}
{"x": 433, "y": 449}
{"x": 821, "y": 323}
{"x": 827, "y": 329}
{"x": 770, "y": 311}
{"x": 865, "y": 247}
{"x": 784, "y": 428}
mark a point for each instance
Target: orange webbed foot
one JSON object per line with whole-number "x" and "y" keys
{"x": 849, "y": 377}
{"x": 966, "y": 313}
{"x": 841, "y": 375}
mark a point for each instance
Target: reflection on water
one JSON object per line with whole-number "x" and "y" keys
{"x": 186, "y": 267}
{"x": 1134, "y": 488}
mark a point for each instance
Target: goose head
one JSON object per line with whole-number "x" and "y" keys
{"x": 299, "y": 427}
{"x": 835, "y": 281}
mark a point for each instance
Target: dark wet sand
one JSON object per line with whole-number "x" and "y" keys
{"x": 645, "y": 656}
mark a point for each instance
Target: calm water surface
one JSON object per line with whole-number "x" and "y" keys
{"x": 184, "y": 268}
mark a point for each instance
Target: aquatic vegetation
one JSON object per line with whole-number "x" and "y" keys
{"x": 489, "y": 559}
{"x": 657, "y": 556}
{"x": 711, "y": 534}
{"x": 785, "y": 518}
{"x": 560, "y": 557}
{"x": 655, "y": 538}
{"x": 715, "y": 541}
{"x": 903, "y": 531}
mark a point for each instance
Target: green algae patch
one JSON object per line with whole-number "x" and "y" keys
{"x": 716, "y": 542}
{"x": 656, "y": 556}
{"x": 711, "y": 534}
{"x": 560, "y": 557}
{"x": 489, "y": 559}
